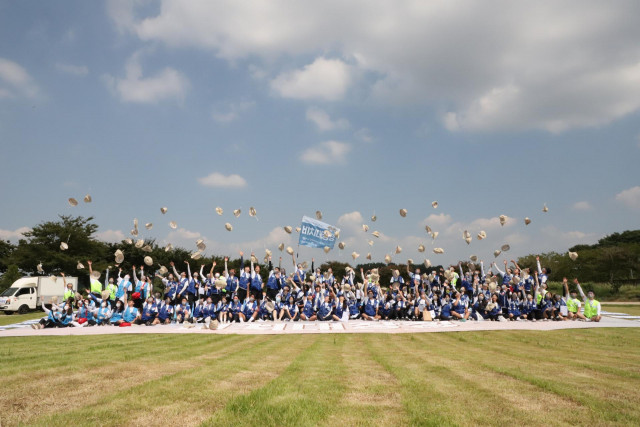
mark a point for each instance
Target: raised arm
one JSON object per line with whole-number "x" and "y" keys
{"x": 498, "y": 268}
{"x": 106, "y": 279}
{"x": 253, "y": 273}
{"x": 226, "y": 267}
{"x": 584, "y": 297}
{"x": 175, "y": 272}
{"x": 565, "y": 284}
{"x": 538, "y": 264}
{"x": 364, "y": 279}
{"x": 482, "y": 270}
{"x": 212, "y": 267}
{"x": 461, "y": 272}
{"x": 408, "y": 270}
{"x": 188, "y": 270}
{"x": 135, "y": 278}
{"x": 202, "y": 269}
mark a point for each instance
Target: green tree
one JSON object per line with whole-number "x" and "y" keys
{"x": 6, "y": 248}
{"x": 11, "y": 275}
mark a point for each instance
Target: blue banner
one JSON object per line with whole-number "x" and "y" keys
{"x": 317, "y": 234}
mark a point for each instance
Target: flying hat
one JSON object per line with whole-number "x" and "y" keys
{"x": 341, "y": 245}
{"x": 64, "y": 246}
{"x": 397, "y": 272}
{"x": 139, "y": 243}
{"x": 503, "y": 219}
{"x": 73, "y": 202}
{"x": 252, "y": 211}
{"x": 326, "y": 249}
{"x": 163, "y": 210}
{"x": 438, "y": 250}
{"x": 148, "y": 225}
{"x": 105, "y": 294}
{"x": 376, "y": 233}
{"x": 304, "y": 265}
{"x": 135, "y": 223}
{"x": 473, "y": 258}
{"x": 545, "y": 208}
{"x": 119, "y": 256}
{"x": 403, "y": 213}
{"x": 466, "y": 234}
{"x": 147, "y": 248}
{"x": 134, "y": 232}
{"x": 270, "y": 306}
{"x": 196, "y": 255}
{"x": 173, "y": 225}
{"x": 288, "y": 229}
{"x": 336, "y": 234}
{"x": 281, "y": 247}
{"x": 427, "y": 263}
{"x": 527, "y": 221}
{"x": 434, "y": 234}
{"x": 387, "y": 259}
{"x": 468, "y": 239}
{"x": 80, "y": 266}
{"x": 289, "y": 250}
{"x": 254, "y": 259}
{"x": 370, "y": 242}
{"x": 228, "y": 226}
{"x": 505, "y": 248}
{"x": 326, "y": 233}
{"x": 54, "y": 299}
{"x": 421, "y": 248}
{"x": 87, "y": 198}
{"x": 428, "y": 229}
{"x": 318, "y": 215}
{"x": 219, "y": 210}
{"x": 200, "y": 244}
{"x": 354, "y": 255}
{"x": 365, "y": 227}
{"x": 369, "y": 256}
{"x": 163, "y": 270}
{"x": 237, "y": 213}
{"x": 95, "y": 275}
{"x": 220, "y": 283}
{"x": 496, "y": 253}
{"x": 398, "y": 249}
{"x": 482, "y": 235}
{"x": 573, "y": 255}
{"x": 39, "y": 268}
{"x": 298, "y": 229}
{"x": 373, "y": 218}
{"x": 346, "y": 287}
{"x": 128, "y": 241}
{"x": 148, "y": 260}
{"x": 267, "y": 252}
{"x": 168, "y": 247}
{"x": 434, "y": 204}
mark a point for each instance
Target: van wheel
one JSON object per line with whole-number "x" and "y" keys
{"x": 8, "y": 313}
{"x": 24, "y": 309}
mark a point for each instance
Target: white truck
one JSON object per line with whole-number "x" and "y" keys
{"x": 29, "y": 292}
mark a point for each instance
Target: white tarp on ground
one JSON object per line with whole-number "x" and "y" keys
{"x": 352, "y": 326}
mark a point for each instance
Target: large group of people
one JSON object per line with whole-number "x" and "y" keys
{"x": 214, "y": 297}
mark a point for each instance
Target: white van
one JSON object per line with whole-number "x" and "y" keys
{"x": 27, "y": 293}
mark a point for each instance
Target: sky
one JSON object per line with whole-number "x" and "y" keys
{"x": 351, "y": 108}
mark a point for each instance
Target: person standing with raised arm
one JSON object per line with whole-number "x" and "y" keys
{"x": 94, "y": 283}
{"x": 592, "y": 307}
{"x": 256, "y": 280}
{"x": 573, "y": 303}
{"x": 232, "y": 280}
{"x": 245, "y": 280}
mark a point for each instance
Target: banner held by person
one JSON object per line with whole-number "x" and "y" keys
{"x": 317, "y": 234}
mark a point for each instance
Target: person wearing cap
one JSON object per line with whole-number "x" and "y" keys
{"x": 148, "y": 313}
{"x": 592, "y": 309}
{"x": 370, "y": 305}
{"x": 572, "y": 301}
{"x": 165, "y": 312}
{"x": 244, "y": 282}
{"x": 231, "y": 278}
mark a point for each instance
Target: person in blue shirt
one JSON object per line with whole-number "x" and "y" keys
{"x": 460, "y": 310}
{"x": 222, "y": 310}
{"x": 148, "y": 313}
{"x": 325, "y": 310}
{"x": 290, "y": 310}
{"x": 275, "y": 282}
{"x": 445, "y": 307}
{"x": 309, "y": 310}
{"x": 494, "y": 311}
{"x": 371, "y": 306}
{"x": 182, "y": 311}
{"x": 209, "y": 315}
{"x": 165, "y": 312}
{"x": 515, "y": 307}
{"x": 386, "y": 309}
{"x": 116, "y": 315}
{"x": 235, "y": 310}
{"x": 103, "y": 313}
{"x": 479, "y": 309}
{"x": 256, "y": 284}
{"x": 244, "y": 283}
{"x": 249, "y": 310}
{"x": 131, "y": 313}
{"x": 198, "y": 311}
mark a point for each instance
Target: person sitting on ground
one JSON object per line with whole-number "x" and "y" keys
{"x": 183, "y": 311}
{"x": 165, "y": 311}
{"x": 371, "y": 305}
{"x": 573, "y": 303}
{"x": 460, "y": 310}
{"x": 148, "y": 313}
{"x": 592, "y": 309}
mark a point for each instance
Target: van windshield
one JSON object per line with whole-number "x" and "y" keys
{"x": 9, "y": 292}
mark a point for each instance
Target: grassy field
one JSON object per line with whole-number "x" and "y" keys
{"x": 17, "y": 318}
{"x": 587, "y": 377}
{"x": 603, "y": 291}
{"x": 622, "y": 308}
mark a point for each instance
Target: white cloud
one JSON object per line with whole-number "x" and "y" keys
{"x": 15, "y": 81}
{"x": 351, "y": 221}
{"x": 218, "y": 180}
{"x": 364, "y": 135}
{"x": 322, "y": 120}
{"x": 326, "y": 79}
{"x": 232, "y": 111}
{"x": 13, "y": 235}
{"x": 582, "y": 206}
{"x": 134, "y": 87}
{"x": 325, "y": 153}
{"x": 630, "y": 197}
{"x": 112, "y": 236}
{"x": 492, "y": 73}
{"x": 76, "y": 70}
{"x": 437, "y": 220}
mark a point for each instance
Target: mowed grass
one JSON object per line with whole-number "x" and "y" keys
{"x": 633, "y": 310}
{"x": 570, "y": 377}
{"x": 17, "y": 318}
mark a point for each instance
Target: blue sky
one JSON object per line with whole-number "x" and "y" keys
{"x": 350, "y": 108}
